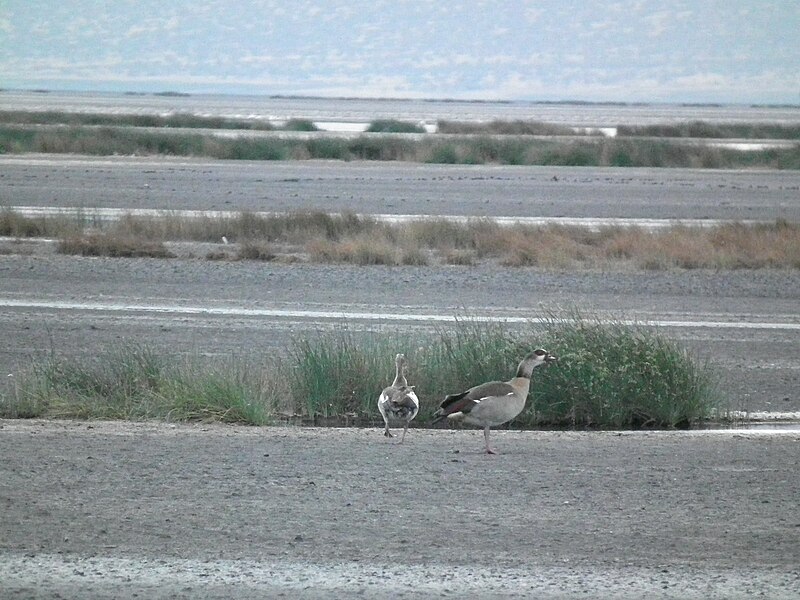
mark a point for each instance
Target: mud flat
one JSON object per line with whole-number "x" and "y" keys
{"x": 169, "y": 183}
{"x": 207, "y": 511}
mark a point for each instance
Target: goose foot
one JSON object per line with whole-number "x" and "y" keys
{"x": 387, "y": 433}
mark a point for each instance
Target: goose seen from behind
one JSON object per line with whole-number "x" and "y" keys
{"x": 495, "y": 402}
{"x": 398, "y": 402}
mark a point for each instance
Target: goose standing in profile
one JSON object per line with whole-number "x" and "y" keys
{"x": 496, "y": 402}
{"x": 398, "y": 402}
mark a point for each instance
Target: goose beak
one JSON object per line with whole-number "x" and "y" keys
{"x": 549, "y": 358}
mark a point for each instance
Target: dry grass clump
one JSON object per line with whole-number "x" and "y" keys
{"x": 729, "y": 246}
{"x": 350, "y": 238}
{"x": 360, "y": 250}
{"x": 552, "y": 247}
{"x": 456, "y": 257}
{"x": 763, "y": 245}
{"x": 292, "y": 228}
{"x": 103, "y": 244}
{"x": 13, "y": 224}
{"x": 377, "y": 244}
{"x": 256, "y": 251}
{"x": 476, "y": 237}
{"x": 442, "y": 234}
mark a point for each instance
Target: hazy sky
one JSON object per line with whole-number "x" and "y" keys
{"x": 624, "y": 50}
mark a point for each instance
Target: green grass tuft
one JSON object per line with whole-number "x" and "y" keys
{"x": 135, "y": 383}
{"x": 299, "y": 125}
{"x": 393, "y": 126}
{"x": 500, "y": 127}
{"x": 612, "y": 374}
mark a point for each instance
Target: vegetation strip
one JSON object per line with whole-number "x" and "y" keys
{"x": 610, "y": 374}
{"x": 692, "y": 129}
{"x": 633, "y": 151}
{"x": 349, "y": 238}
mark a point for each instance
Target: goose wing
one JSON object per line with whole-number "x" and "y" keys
{"x": 404, "y": 397}
{"x": 466, "y": 401}
{"x": 398, "y": 402}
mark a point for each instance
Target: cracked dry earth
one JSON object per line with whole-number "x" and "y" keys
{"x": 125, "y": 510}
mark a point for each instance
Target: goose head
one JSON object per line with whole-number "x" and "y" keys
{"x": 401, "y": 364}
{"x": 537, "y": 358}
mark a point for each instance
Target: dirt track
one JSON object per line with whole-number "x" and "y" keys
{"x": 195, "y": 511}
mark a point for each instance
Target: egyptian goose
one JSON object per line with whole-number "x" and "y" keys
{"x": 495, "y": 402}
{"x": 398, "y": 402}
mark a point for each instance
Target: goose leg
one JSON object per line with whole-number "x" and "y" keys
{"x": 486, "y": 436}
{"x": 405, "y": 430}
{"x": 386, "y": 432}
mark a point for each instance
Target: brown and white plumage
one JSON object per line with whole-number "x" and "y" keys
{"x": 495, "y": 402}
{"x": 398, "y": 402}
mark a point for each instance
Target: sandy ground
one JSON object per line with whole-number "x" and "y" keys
{"x": 124, "y": 510}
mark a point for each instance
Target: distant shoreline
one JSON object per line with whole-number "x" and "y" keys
{"x": 520, "y": 101}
